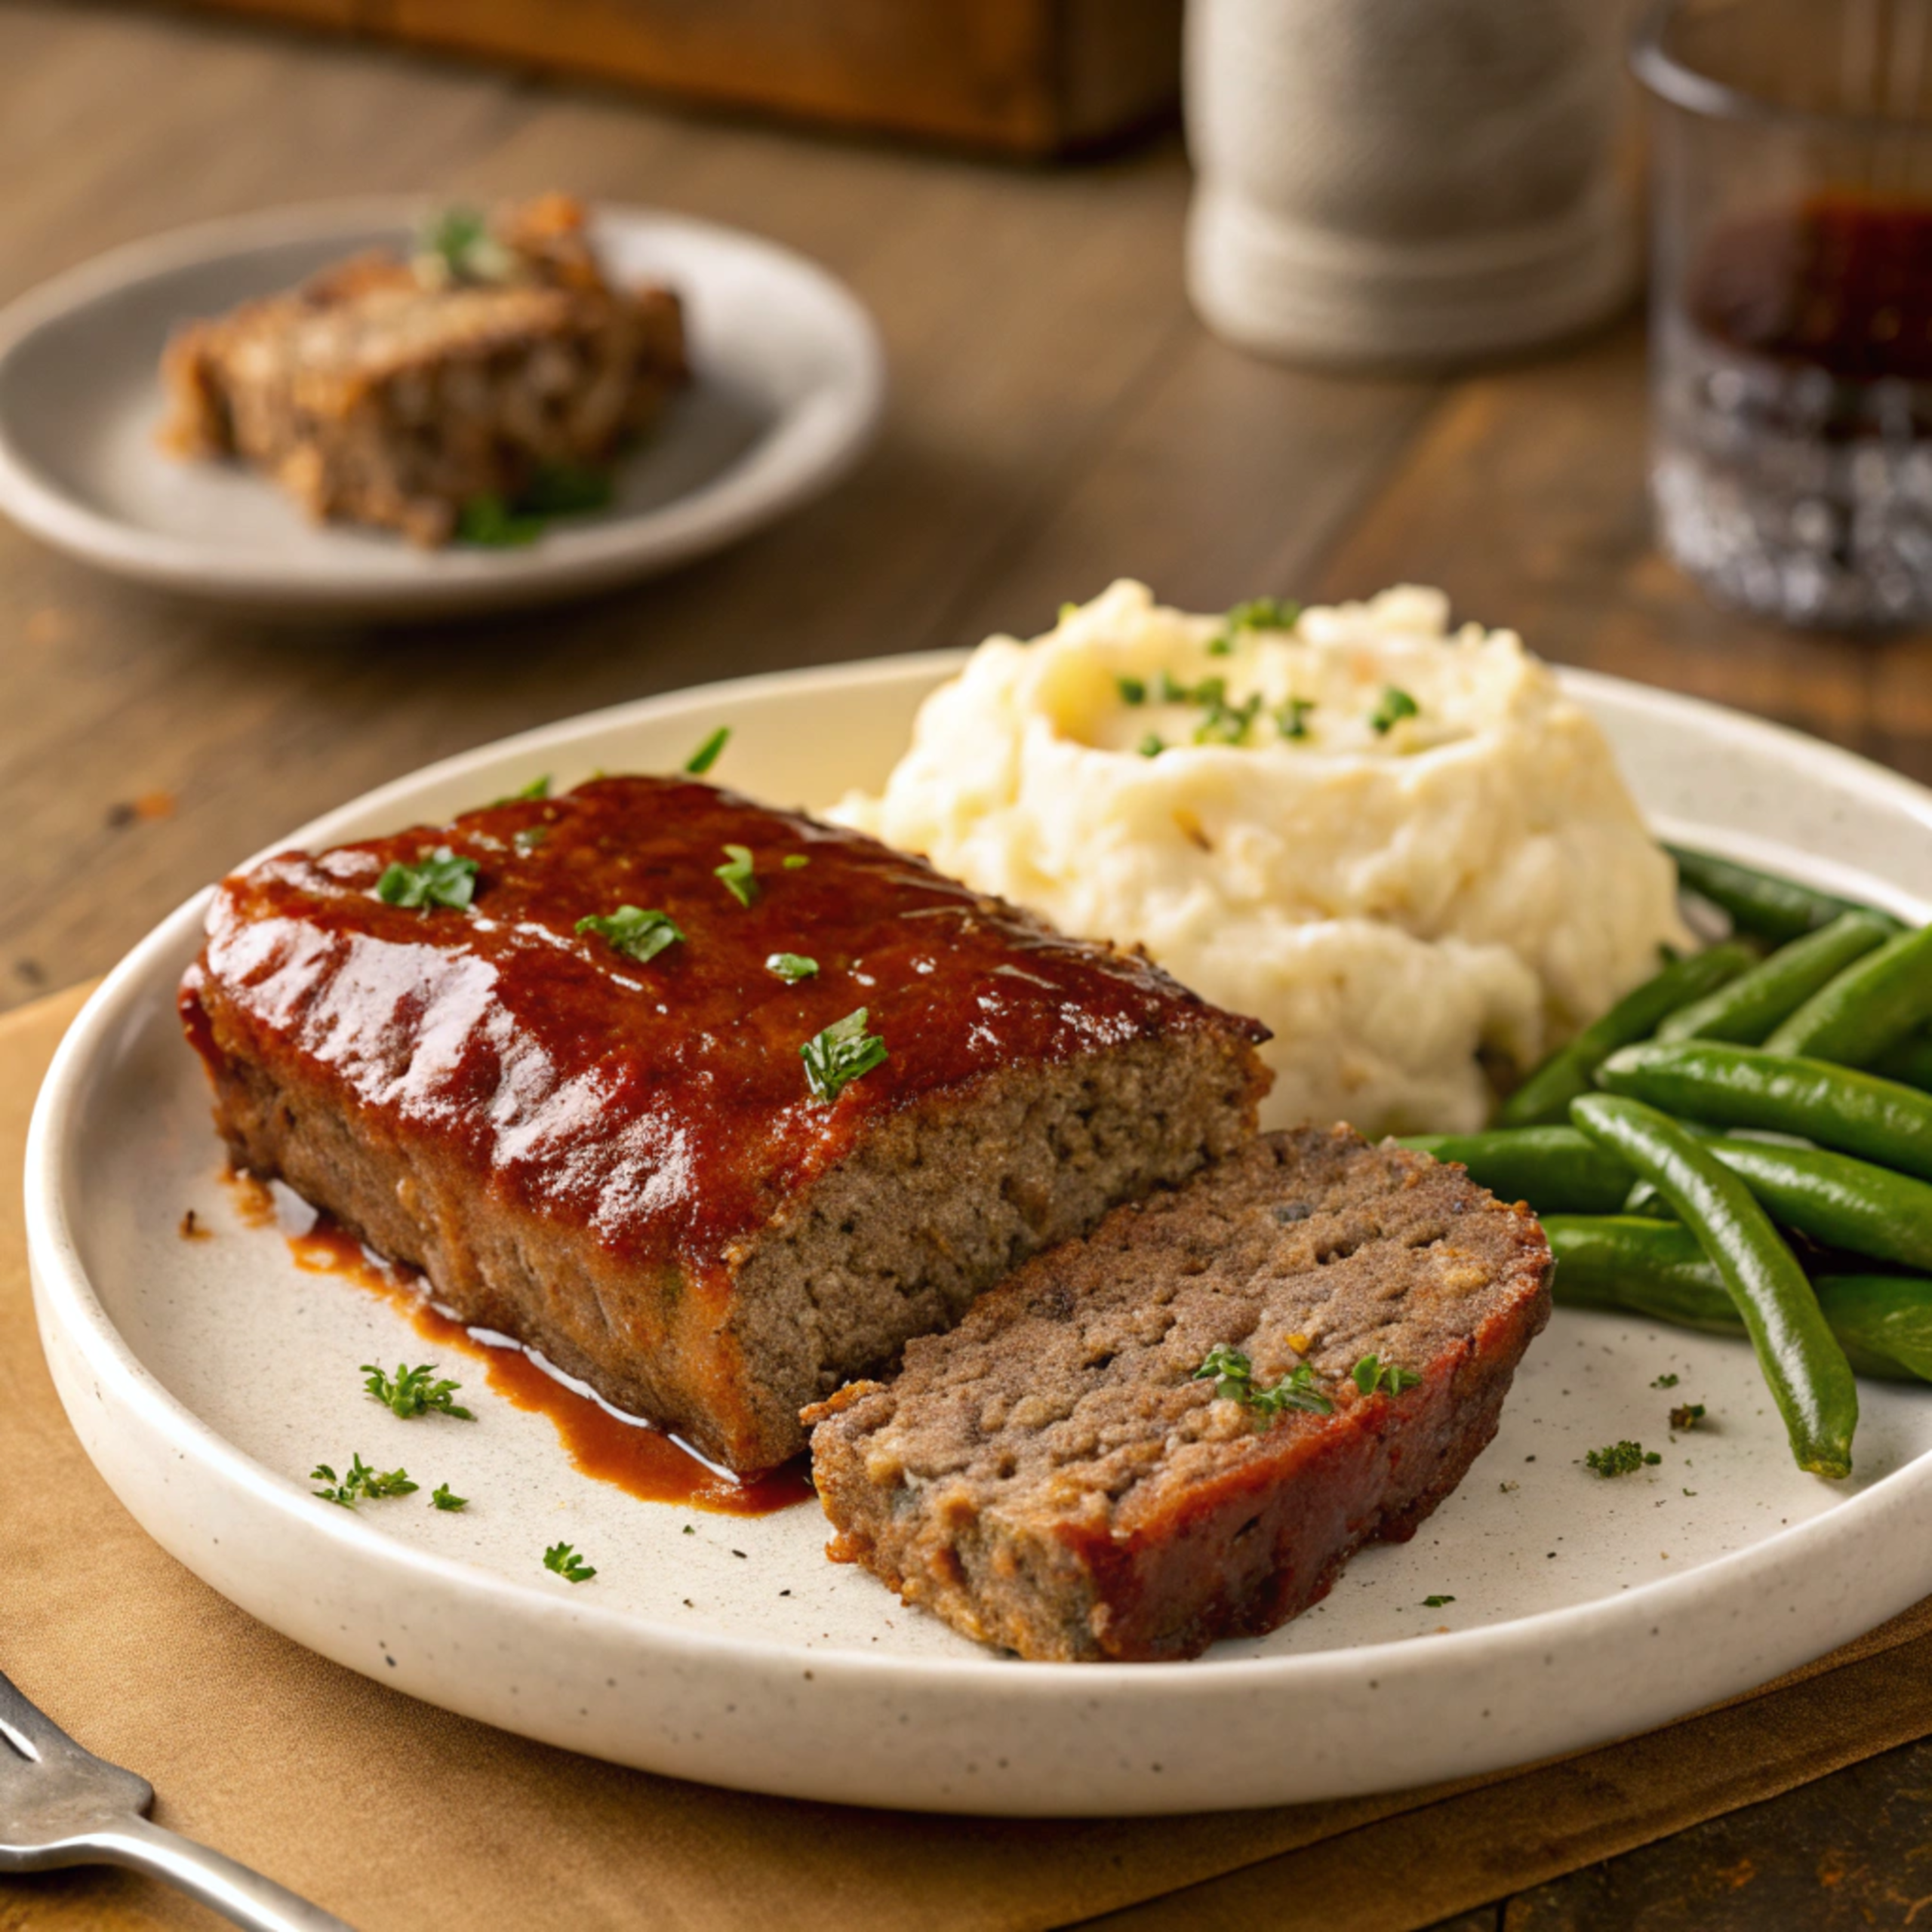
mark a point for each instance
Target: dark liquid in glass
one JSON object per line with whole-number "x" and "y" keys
{"x": 1794, "y": 466}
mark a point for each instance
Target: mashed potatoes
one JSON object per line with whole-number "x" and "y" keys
{"x": 1409, "y": 853}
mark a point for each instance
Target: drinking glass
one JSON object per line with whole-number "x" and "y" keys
{"x": 1792, "y": 302}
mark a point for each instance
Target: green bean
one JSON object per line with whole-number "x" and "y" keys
{"x": 1840, "y": 1202}
{"x": 1544, "y": 1097}
{"x": 1837, "y": 1106}
{"x": 1883, "y": 1322}
{"x": 1806, "y": 1369}
{"x": 1760, "y": 902}
{"x": 1870, "y": 1006}
{"x": 1557, "y": 1170}
{"x": 1746, "y": 1009}
{"x": 1910, "y": 1061}
{"x": 1654, "y": 1268}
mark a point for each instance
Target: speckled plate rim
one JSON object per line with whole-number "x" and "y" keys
{"x": 976, "y": 1735}
{"x": 807, "y": 451}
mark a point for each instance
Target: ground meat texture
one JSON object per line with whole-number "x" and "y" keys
{"x": 1053, "y": 1477}
{"x": 620, "y": 1160}
{"x": 377, "y": 394}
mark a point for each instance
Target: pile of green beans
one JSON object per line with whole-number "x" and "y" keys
{"x": 1774, "y": 1089}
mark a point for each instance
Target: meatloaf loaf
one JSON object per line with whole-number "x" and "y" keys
{"x": 714, "y": 1105}
{"x": 401, "y": 392}
{"x": 1181, "y": 1427}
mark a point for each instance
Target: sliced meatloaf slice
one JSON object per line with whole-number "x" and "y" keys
{"x": 1058, "y": 1476}
{"x": 787, "y": 1098}
{"x": 399, "y": 392}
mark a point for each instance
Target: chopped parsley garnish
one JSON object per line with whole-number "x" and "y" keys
{"x": 1435, "y": 1603}
{"x": 1221, "y": 646}
{"x": 413, "y": 1393}
{"x": 1394, "y": 705}
{"x": 1291, "y": 719}
{"x": 530, "y": 837}
{"x": 539, "y": 787}
{"x": 1264, "y": 613}
{"x": 706, "y": 756}
{"x": 1132, "y": 690}
{"x": 631, "y": 929}
{"x": 737, "y": 873}
{"x": 1686, "y": 1415}
{"x": 836, "y": 1057}
{"x": 794, "y": 862}
{"x": 491, "y": 523}
{"x": 1152, "y": 745}
{"x": 439, "y": 1498}
{"x": 1665, "y": 1382}
{"x": 455, "y": 245}
{"x": 437, "y": 879}
{"x": 1234, "y": 1381}
{"x": 1372, "y": 1372}
{"x": 1173, "y": 692}
{"x": 565, "y": 490}
{"x": 564, "y": 1561}
{"x": 362, "y": 1483}
{"x": 1619, "y": 1459}
{"x": 1227, "y": 724}
{"x": 791, "y": 967}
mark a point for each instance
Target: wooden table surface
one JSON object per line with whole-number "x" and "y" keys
{"x": 1058, "y": 418}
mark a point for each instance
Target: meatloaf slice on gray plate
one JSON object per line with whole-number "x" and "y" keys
{"x": 714, "y": 1105}
{"x": 1179, "y": 1428}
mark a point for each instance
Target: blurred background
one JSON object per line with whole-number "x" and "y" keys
{"x": 1257, "y": 296}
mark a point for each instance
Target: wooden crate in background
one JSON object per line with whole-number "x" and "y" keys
{"x": 1032, "y": 78}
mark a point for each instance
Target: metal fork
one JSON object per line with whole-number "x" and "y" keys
{"x": 60, "y": 1805}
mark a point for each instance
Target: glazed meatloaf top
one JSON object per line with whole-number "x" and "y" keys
{"x": 1059, "y": 1474}
{"x": 663, "y": 1104}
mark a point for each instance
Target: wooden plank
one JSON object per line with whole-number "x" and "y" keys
{"x": 1846, "y": 1853}
{"x": 1026, "y": 77}
{"x": 1526, "y": 500}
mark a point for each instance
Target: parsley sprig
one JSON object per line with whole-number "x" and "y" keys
{"x": 566, "y": 1563}
{"x": 1233, "y": 1376}
{"x": 496, "y": 522}
{"x": 455, "y": 245}
{"x": 737, "y": 873}
{"x": 791, "y": 967}
{"x": 413, "y": 1393}
{"x": 437, "y": 879}
{"x": 439, "y": 1498}
{"x": 362, "y": 1483}
{"x": 836, "y": 1057}
{"x": 632, "y": 929}
{"x": 1372, "y": 1372}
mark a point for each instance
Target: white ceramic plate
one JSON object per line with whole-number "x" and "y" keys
{"x": 205, "y": 1378}
{"x": 789, "y": 381}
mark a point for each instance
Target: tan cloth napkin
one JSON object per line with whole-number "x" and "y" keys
{"x": 394, "y": 1815}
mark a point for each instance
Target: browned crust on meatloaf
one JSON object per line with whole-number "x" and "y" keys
{"x": 378, "y": 394}
{"x": 1053, "y": 1477}
{"x": 621, "y": 1161}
